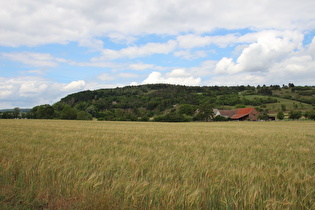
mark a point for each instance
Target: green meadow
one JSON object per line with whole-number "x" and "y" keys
{"x": 53, "y": 164}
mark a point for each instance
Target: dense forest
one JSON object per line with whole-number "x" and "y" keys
{"x": 175, "y": 103}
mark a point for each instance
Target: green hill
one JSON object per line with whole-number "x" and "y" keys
{"x": 165, "y": 102}
{"x": 146, "y": 101}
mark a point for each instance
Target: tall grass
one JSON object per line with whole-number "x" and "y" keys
{"x": 132, "y": 165}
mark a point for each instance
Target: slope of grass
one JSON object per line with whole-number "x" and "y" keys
{"x": 125, "y": 165}
{"x": 275, "y": 107}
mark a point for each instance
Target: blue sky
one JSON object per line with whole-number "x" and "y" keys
{"x": 49, "y": 49}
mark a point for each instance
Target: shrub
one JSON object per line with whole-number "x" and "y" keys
{"x": 280, "y": 115}
{"x": 310, "y": 114}
{"x": 295, "y": 115}
{"x": 220, "y": 118}
{"x": 82, "y": 115}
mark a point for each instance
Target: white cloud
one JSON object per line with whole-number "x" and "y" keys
{"x": 298, "y": 68}
{"x": 311, "y": 49}
{"x": 122, "y": 38}
{"x": 205, "y": 69}
{"x": 193, "y": 40}
{"x": 140, "y": 66}
{"x": 54, "y": 21}
{"x": 239, "y": 79}
{"x": 178, "y": 73}
{"x": 74, "y": 85}
{"x": 190, "y": 55}
{"x": 134, "y": 84}
{"x": 135, "y": 51}
{"x": 274, "y": 61}
{"x": 33, "y": 59}
{"x": 225, "y": 65}
{"x": 31, "y": 88}
{"x": 26, "y": 92}
{"x": 95, "y": 44}
{"x": 33, "y": 23}
{"x": 47, "y": 60}
{"x": 177, "y": 76}
{"x": 154, "y": 77}
{"x": 5, "y": 88}
{"x": 271, "y": 48}
{"x": 190, "y": 41}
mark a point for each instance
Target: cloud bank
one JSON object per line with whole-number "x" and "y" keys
{"x": 51, "y": 48}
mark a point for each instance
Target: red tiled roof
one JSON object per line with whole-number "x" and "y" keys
{"x": 242, "y": 112}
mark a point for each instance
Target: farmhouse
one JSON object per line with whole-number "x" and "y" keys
{"x": 238, "y": 114}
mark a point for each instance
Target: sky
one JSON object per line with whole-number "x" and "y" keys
{"x": 51, "y": 48}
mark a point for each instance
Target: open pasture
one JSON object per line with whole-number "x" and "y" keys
{"x": 50, "y": 164}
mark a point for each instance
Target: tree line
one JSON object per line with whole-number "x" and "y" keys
{"x": 160, "y": 102}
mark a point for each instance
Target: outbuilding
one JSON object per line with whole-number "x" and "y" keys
{"x": 246, "y": 114}
{"x": 238, "y": 114}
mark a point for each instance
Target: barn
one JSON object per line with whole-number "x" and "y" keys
{"x": 238, "y": 114}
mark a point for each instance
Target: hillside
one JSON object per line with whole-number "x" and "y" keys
{"x": 146, "y": 101}
{"x": 164, "y": 102}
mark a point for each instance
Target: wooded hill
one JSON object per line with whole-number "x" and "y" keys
{"x": 165, "y": 102}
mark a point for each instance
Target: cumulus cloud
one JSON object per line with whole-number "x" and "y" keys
{"x": 27, "y": 92}
{"x": 178, "y": 73}
{"x": 269, "y": 49}
{"x": 225, "y": 65}
{"x": 271, "y": 60}
{"x": 74, "y": 85}
{"x": 177, "y": 76}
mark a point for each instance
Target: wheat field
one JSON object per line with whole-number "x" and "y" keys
{"x": 53, "y": 164}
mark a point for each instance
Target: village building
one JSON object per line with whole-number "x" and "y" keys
{"x": 238, "y": 114}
